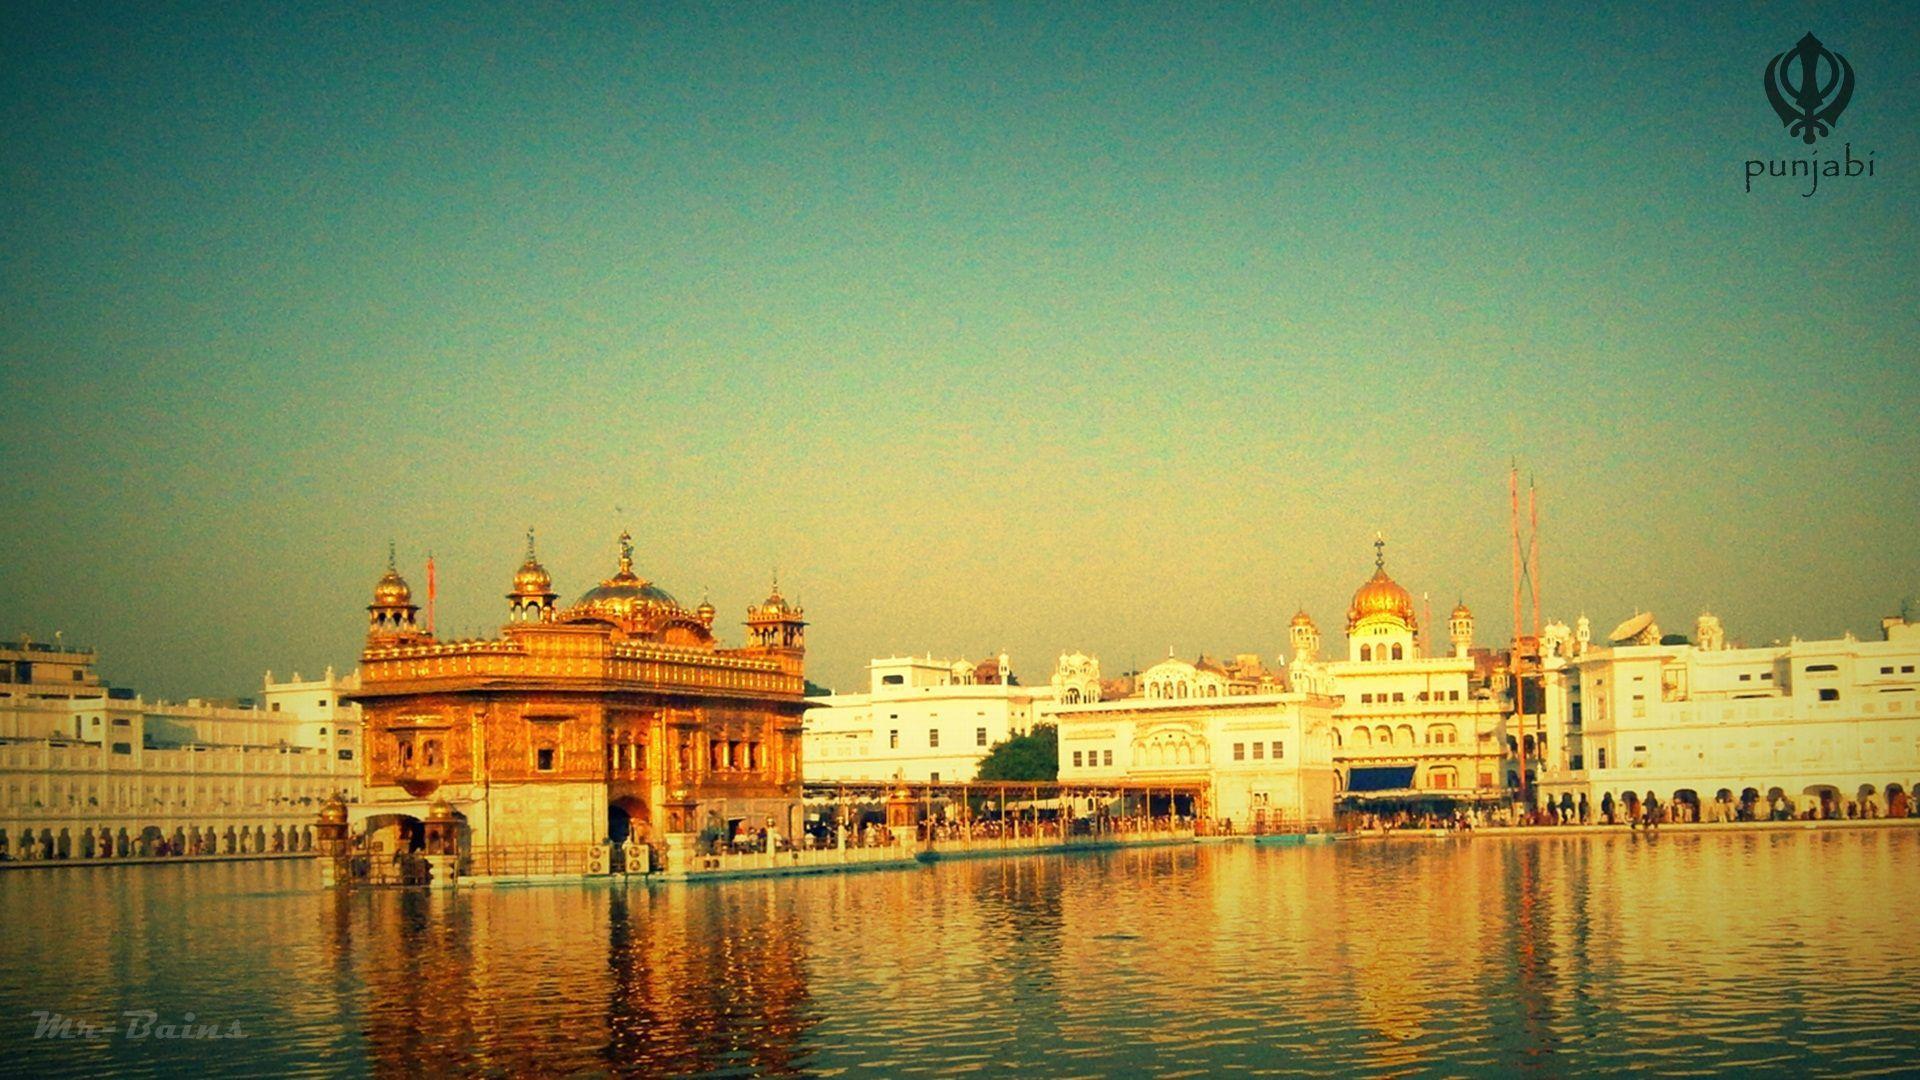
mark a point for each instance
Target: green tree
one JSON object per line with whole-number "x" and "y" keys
{"x": 1033, "y": 756}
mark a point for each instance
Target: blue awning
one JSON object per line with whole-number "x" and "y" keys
{"x": 1380, "y": 778}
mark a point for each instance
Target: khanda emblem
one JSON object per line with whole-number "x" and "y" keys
{"x": 1809, "y": 85}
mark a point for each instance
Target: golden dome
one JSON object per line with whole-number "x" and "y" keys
{"x": 440, "y": 810}
{"x": 391, "y": 590}
{"x": 334, "y": 812}
{"x": 632, "y": 603}
{"x": 1381, "y": 595}
{"x": 531, "y": 579}
{"x": 1301, "y": 618}
{"x": 1460, "y": 611}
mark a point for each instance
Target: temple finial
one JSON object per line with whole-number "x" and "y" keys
{"x": 529, "y": 543}
{"x": 390, "y": 560}
{"x": 1379, "y": 551}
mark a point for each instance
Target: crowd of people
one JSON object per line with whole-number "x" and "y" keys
{"x": 1648, "y": 811}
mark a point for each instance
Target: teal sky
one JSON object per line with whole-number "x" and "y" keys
{"x": 1025, "y": 326}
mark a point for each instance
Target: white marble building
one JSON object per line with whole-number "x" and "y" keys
{"x": 1814, "y": 723}
{"x": 921, "y": 719}
{"x": 78, "y": 757}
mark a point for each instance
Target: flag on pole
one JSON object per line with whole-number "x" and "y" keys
{"x": 430, "y": 592}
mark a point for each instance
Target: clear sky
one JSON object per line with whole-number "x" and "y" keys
{"x": 1025, "y": 326}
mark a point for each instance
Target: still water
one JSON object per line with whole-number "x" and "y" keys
{"x": 1781, "y": 952}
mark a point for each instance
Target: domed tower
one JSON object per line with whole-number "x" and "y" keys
{"x": 1380, "y": 621}
{"x": 391, "y": 618}
{"x": 1305, "y": 637}
{"x": 1460, "y": 629}
{"x": 705, "y": 612}
{"x": 636, "y": 607}
{"x": 775, "y": 626}
{"x": 532, "y": 597}
{"x": 1708, "y": 634}
{"x": 1582, "y": 635}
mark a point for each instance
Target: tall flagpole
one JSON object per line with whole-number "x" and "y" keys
{"x": 1513, "y": 656}
{"x": 430, "y": 593}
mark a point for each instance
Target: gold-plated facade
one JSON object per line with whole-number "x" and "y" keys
{"x": 618, "y": 718}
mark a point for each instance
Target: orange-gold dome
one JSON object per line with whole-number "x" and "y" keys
{"x": 531, "y": 579}
{"x": 1301, "y": 618}
{"x": 1460, "y": 611}
{"x": 1381, "y": 595}
{"x": 391, "y": 590}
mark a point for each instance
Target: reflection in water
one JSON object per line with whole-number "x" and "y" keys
{"x": 1549, "y": 955}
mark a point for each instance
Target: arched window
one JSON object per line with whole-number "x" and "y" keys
{"x": 1366, "y": 652}
{"x": 1397, "y": 655}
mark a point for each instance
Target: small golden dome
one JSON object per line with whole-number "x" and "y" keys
{"x": 1301, "y": 618}
{"x": 1460, "y": 611}
{"x": 391, "y": 590}
{"x": 531, "y": 579}
{"x": 334, "y": 812}
{"x": 440, "y": 810}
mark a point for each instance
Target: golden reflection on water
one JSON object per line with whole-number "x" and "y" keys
{"x": 1731, "y": 951}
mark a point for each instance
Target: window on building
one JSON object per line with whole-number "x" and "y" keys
{"x": 1906, "y": 669}
{"x": 1076, "y": 759}
{"x": 979, "y": 736}
{"x": 1746, "y": 676}
{"x": 1259, "y": 751}
{"x": 1396, "y": 653}
{"x": 933, "y": 778}
{"x": 323, "y": 703}
{"x": 1829, "y": 693}
{"x": 543, "y": 759}
{"x": 1886, "y": 670}
{"x": 1366, "y": 699}
{"x": 1823, "y": 667}
{"x": 892, "y": 680}
{"x": 275, "y": 707}
{"x": 893, "y": 740}
{"x": 1578, "y": 763}
{"x": 1108, "y": 757}
{"x": 1279, "y": 751}
{"x": 933, "y": 736}
{"x": 1239, "y": 751}
{"x": 346, "y": 755}
{"x": 122, "y": 748}
{"x": 1603, "y": 757}
{"x": 1399, "y": 696}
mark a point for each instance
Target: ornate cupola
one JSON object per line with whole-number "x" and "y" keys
{"x": 1460, "y": 629}
{"x": 391, "y": 618}
{"x": 775, "y": 626}
{"x": 1381, "y": 597}
{"x": 532, "y": 597}
{"x": 705, "y": 612}
{"x": 1305, "y": 637}
{"x": 1380, "y": 620}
